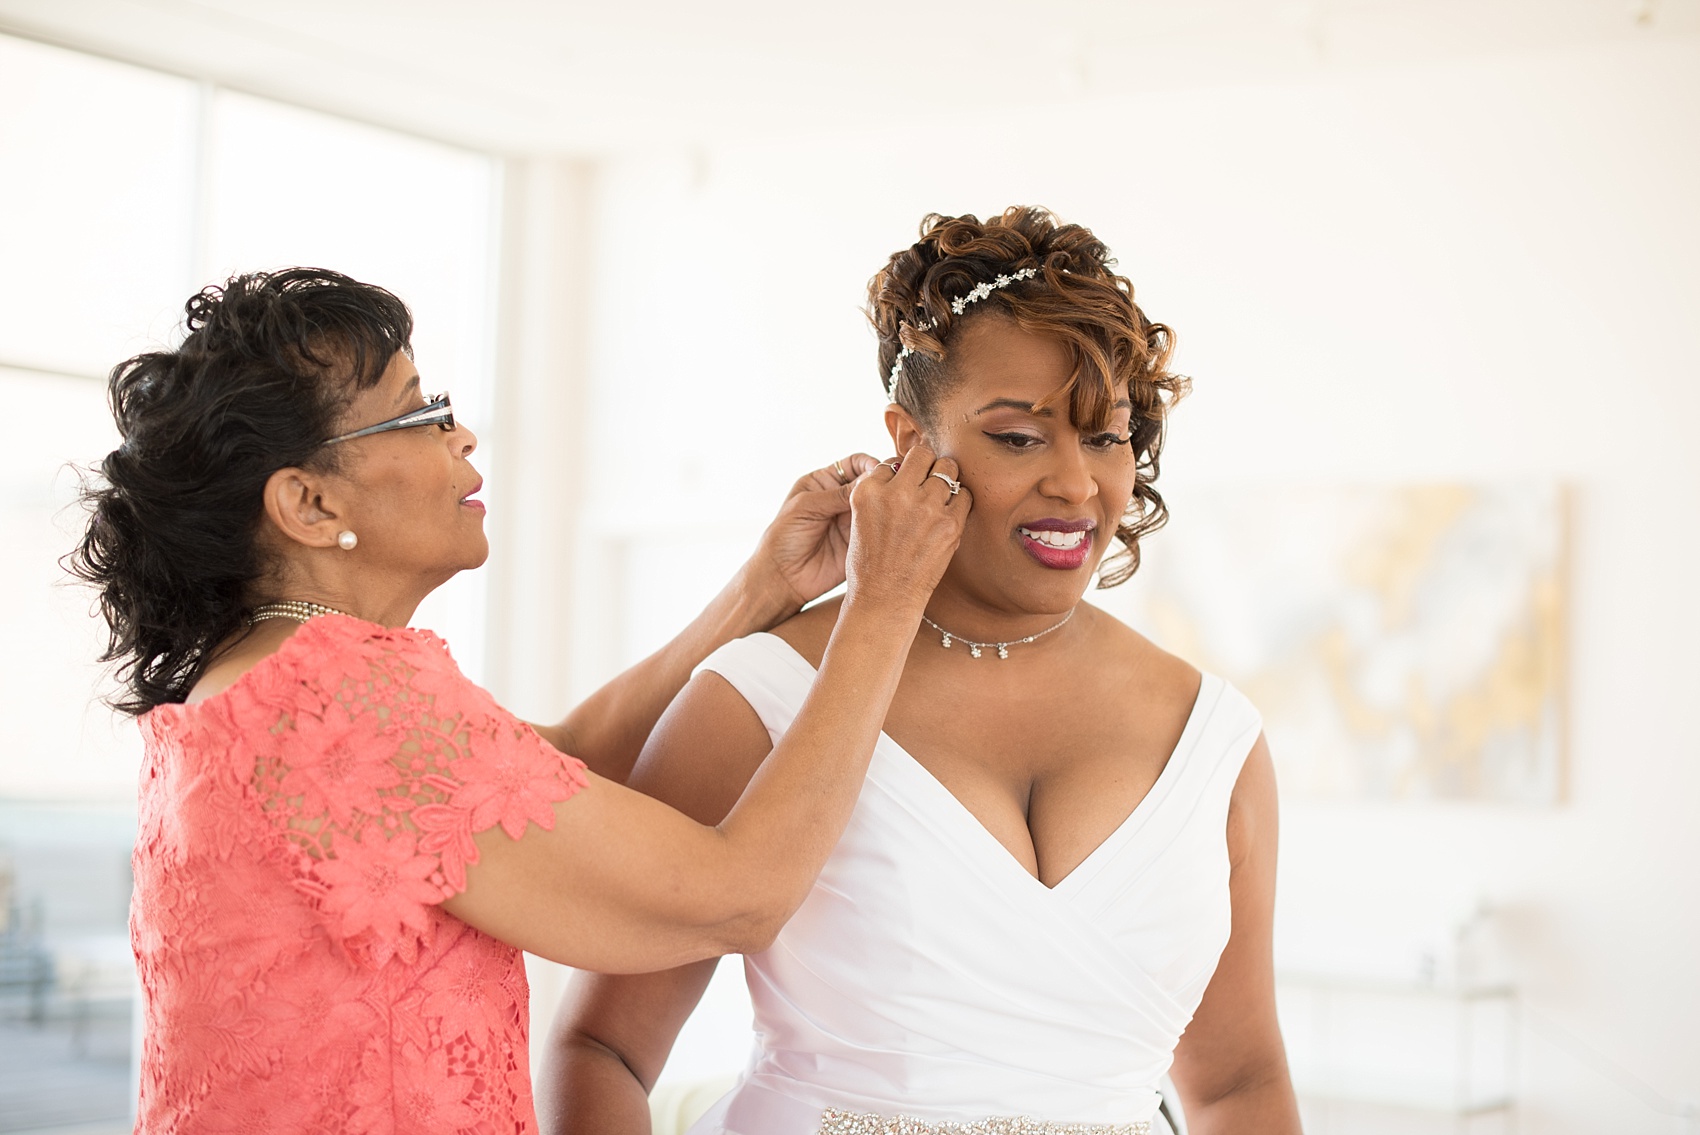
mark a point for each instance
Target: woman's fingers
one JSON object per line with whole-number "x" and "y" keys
{"x": 804, "y": 547}
{"x": 822, "y": 494}
{"x": 943, "y": 476}
{"x": 841, "y": 472}
{"x": 906, "y": 522}
{"x": 858, "y": 464}
{"x": 939, "y": 473}
{"x": 916, "y": 464}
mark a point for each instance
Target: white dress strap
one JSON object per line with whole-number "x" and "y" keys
{"x": 768, "y": 674}
{"x": 1200, "y": 774}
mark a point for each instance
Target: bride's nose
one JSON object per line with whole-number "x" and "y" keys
{"x": 1068, "y": 476}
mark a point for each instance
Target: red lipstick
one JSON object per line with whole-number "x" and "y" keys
{"x": 1062, "y": 545}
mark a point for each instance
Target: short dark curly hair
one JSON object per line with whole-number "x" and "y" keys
{"x": 1074, "y": 298}
{"x": 269, "y": 364}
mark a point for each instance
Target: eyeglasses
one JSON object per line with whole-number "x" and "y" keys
{"x": 436, "y": 412}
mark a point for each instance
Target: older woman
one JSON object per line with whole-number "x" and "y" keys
{"x": 344, "y": 844}
{"x": 1059, "y": 876}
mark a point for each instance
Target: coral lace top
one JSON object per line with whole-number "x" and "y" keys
{"x": 297, "y": 833}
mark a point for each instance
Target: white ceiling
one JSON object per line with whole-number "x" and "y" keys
{"x": 520, "y": 76}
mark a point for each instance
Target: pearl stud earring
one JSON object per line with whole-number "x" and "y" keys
{"x": 346, "y": 540}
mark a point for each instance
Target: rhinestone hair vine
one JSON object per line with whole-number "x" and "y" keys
{"x": 975, "y": 294}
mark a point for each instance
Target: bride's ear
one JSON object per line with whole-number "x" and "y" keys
{"x": 905, "y": 432}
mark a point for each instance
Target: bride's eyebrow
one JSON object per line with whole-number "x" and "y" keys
{"x": 1028, "y": 407}
{"x": 1012, "y": 404}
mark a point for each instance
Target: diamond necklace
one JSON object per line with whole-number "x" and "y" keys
{"x": 298, "y": 609}
{"x": 974, "y": 648}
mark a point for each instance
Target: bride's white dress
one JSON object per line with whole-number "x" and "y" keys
{"x": 929, "y": 975}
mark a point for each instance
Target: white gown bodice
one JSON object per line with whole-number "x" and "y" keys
{"x": 928, "y": 974}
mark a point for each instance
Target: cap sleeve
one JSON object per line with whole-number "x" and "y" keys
{"x": 385, "y": 762}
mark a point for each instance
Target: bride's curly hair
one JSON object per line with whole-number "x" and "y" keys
{"x": 1074, "y": 297}
{"x": 268, "y": 367}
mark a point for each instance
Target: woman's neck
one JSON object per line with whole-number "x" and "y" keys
{"x": 369, "y": 595}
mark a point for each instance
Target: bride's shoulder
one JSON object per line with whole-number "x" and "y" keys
{"x": 807, "y": 631}
{"x": 1158, "y": 675}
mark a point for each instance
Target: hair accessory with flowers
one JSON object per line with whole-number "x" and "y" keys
{"x": 959, "y": 305}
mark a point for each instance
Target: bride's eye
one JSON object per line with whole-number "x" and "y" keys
{"x": 1107, "y": 441}
{"x": 1015, "y": 440}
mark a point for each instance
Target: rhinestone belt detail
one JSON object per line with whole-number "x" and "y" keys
{"x": 835, "y": 1122}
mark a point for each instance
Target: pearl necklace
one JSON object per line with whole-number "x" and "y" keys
{"x": 298, "y": 609}
{"x": 974, "y": 648}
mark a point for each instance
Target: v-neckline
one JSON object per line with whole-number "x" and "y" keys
{"x": 982, "y": 833}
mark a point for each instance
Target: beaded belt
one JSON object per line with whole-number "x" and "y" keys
{"x": 835, "y": 1122}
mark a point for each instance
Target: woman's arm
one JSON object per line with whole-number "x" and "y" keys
{"x": 800, "y": 557}
{"x": 1230, "y": 1065}
{"x": 612, "y": 1034}
{"x": 611, "y": 1037}
{"x": 624, "y": 884}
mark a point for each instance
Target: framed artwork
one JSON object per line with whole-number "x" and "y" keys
{"x": 1403, "y": 642}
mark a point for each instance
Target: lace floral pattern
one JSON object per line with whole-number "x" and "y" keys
{"x": 297, "y": 833}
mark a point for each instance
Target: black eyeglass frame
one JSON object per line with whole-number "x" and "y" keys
{"x": 437, "y": 412}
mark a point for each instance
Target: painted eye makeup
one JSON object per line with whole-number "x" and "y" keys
{"x": 1019, "y": 441}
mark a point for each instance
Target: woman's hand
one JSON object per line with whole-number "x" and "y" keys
{"x": 801, "y": 555}
{"x": 907, "y": 519}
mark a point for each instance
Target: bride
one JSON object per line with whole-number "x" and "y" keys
{"x": 1058, "y": 883}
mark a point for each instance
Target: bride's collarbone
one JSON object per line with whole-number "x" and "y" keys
{"x": 1013, "y": 704}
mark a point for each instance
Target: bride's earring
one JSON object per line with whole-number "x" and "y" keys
{"x": 346, "y": 540}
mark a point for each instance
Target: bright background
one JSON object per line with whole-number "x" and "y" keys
{"x": 1401, "y": 242}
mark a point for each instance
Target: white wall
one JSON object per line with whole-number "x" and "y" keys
{"x": 1457, "y": 271}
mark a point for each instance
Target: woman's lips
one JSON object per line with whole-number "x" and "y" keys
{"x": 468, "y": 502}
{"x": 1061, "y": 545}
